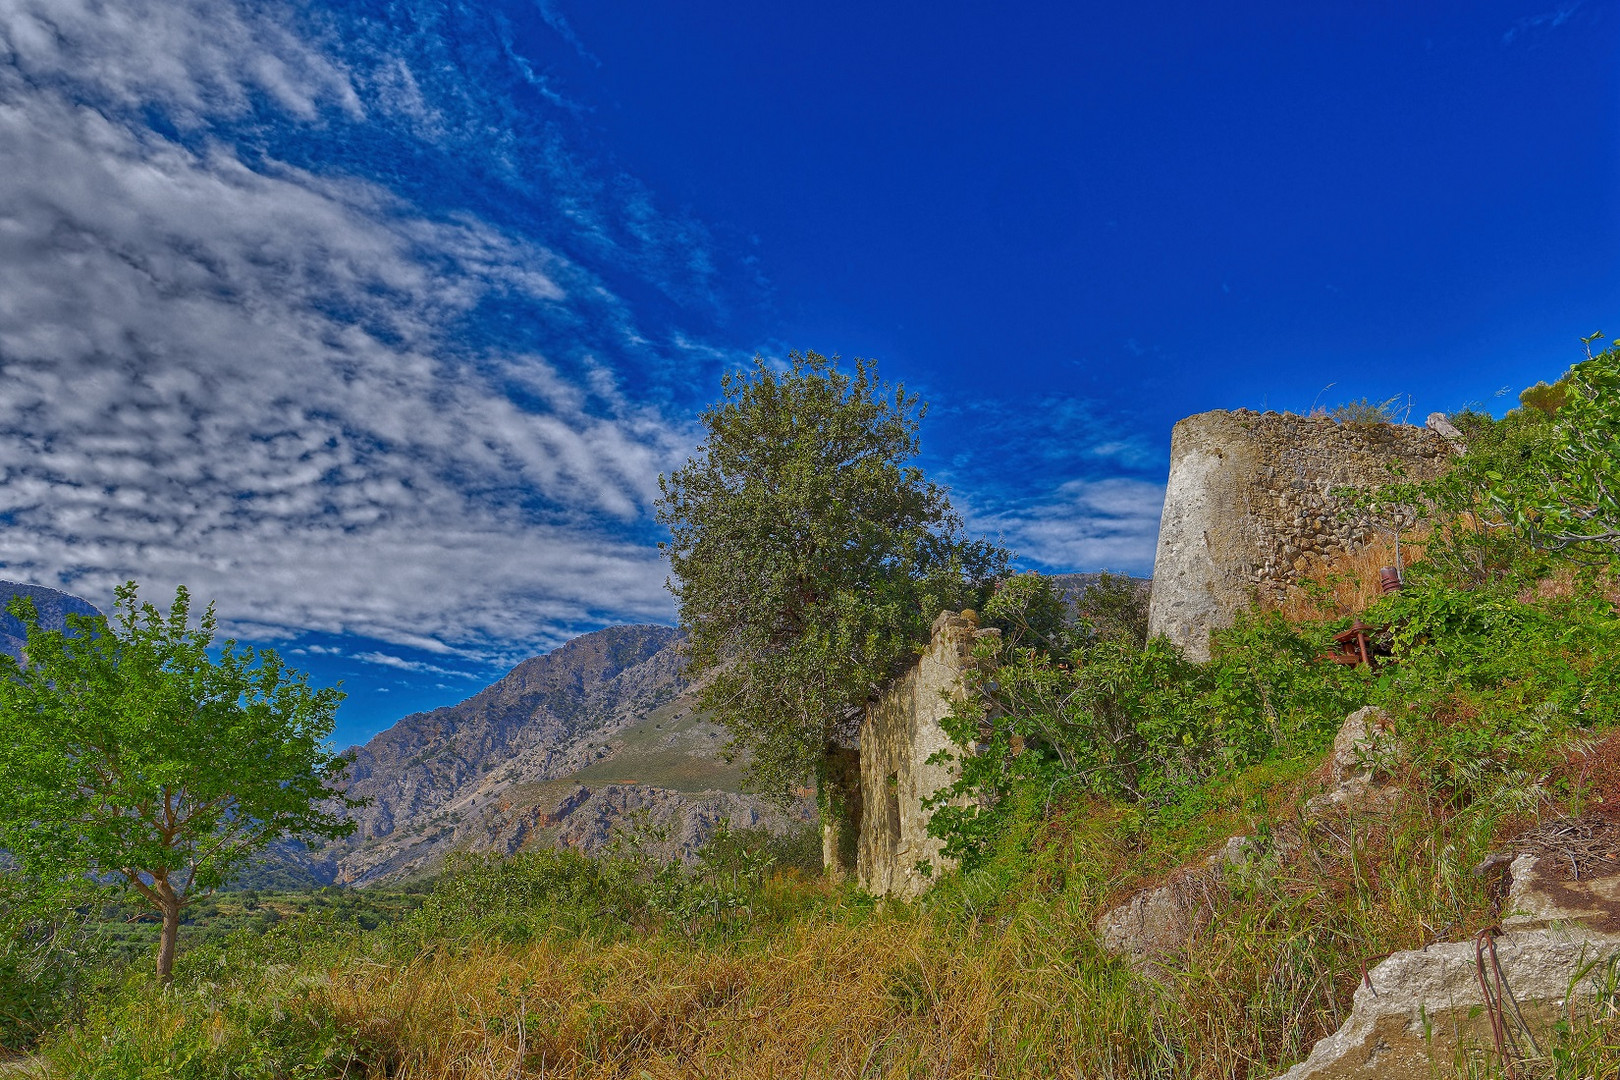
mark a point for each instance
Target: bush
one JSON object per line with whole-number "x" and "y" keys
{"x": 1135, "y": 721}
{"x": 51, "y": 962}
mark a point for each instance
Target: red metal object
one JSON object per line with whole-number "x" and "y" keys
{"x": 1353, "y": 647}
{"x": 1389, "y": 579}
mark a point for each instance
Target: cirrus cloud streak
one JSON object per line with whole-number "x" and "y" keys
{"x": 221, "y": 369}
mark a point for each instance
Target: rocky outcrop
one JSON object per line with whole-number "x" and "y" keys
{"x": 535, "y": 724}
{"x": 561, "y": 752}
{"x": 1250, "y": 508}
{"x": 1359, "y": 767}
{"x": 901, "y": 736}
{"x": 1418, "y": 1010}
{"x": 1159, "y": 922}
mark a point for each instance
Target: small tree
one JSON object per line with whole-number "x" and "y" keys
{"x": 1569, "y": 500}
{"x": 129, "y": 756}
{"x": 809, "y": 558}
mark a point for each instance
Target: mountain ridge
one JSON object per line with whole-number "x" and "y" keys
{"x": 558, "y": 752}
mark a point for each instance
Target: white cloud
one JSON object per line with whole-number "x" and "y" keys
{"x": 389, "y": 660}
{"x": 247, "y": 379}
{"x": 200, "y": 58}
{"x": 1107, "y": 524}
{"x": 1543, "y": 23}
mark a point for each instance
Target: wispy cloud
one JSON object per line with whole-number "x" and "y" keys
{"x": 1543, "y": 23}
{"x": 551, "y": 11}
{"x": 389, "y": 660}
{"x": 223, "y": 368}
{"x": 1110, "y": 523}
{"x": 1067, "y": 482}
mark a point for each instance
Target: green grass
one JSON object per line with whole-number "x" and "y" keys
{"x": 671, "y": 748}
{"x": 132, "y": 931}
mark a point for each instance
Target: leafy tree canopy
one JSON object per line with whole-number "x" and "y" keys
{"x": 130, "y": 756}
{"x": 1570, "y": 500}
{"x": 1543, "y": 482}
{"x": 809, "y": 557}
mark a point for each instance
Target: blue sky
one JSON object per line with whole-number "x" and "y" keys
{"x": 376, "y": 322}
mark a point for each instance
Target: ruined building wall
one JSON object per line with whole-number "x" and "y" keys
{"x": 1248, "y": 509}
{"x": 900, "y": 733}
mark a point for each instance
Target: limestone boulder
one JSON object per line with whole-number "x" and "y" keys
{"x": 1364, "y": 753}
{"x": 1362, "y": 746}
{"x": 1542, "y": 893}
{"x": 1156, "y": 923}
{"x": 1417, "y": 1010}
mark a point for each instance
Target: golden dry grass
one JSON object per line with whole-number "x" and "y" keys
{"x": 1347, "y": 583}
{"x": 1022, "y": 991}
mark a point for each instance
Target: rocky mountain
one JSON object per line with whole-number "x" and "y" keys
{"x": 53, "y": 608}
{"x": 559, "y": 752}
{"x": 563, "y": 750}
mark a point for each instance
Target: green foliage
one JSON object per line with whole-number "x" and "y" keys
{"x": 52, "y": 958}
{"x": 237, "y": 1009}
{"x": 1491, "y": 688}
{"x": 1030, "y": 612}
{"x": 1569, "y": 499}
{"x": 809, "y": 557}
{"x": 1544, "y": 481}
{"x": 129, "y": 755}
{"x": 1133, "y": 721}
{"x": 1465, "y": 539}
{"x": 1547, "y": 399}
{"x": 1366, "y": 411}
{"x": 621, "y": 892}
{"x": 1115, "y": 607}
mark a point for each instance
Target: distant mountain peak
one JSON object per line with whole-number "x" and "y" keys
{"x": 53, "y": 606}
{"x": 556, "y": 752}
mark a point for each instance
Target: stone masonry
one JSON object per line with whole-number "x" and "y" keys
{"x": 900, "y": 733}
{"x": 1249, "y": 508}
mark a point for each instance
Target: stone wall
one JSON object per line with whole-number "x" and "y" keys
{"x": 900, "y": 733}
{"x": 1248, "y": 508}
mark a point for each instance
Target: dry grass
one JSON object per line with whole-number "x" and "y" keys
{"x": 824, "y": 1002}
{"x": 897, "y": 996}
{"x": 1347, "y": 583}
{"x": 1020, "y": 990}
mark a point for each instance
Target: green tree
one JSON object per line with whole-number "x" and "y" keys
{"x": 131, "y": 757}
{"x": 1569, "y": 500}
{"x": 809, "y": 558}
{"x": 1540, "y": 483}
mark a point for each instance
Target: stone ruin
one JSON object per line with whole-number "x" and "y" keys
{"x": 1249, "y": 509}
{"x": 902, "y": 730}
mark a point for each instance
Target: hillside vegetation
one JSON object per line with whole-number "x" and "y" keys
{"x": 1110, "y": 762}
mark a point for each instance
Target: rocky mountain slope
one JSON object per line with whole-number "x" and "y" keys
{"x": 569, "y": 746}
{"x": 559, "y": 752}
{"x": 53, "y": 608}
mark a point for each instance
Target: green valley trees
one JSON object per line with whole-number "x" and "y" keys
{"x": 130, "y": 756}
{"x": 809, "y": 559}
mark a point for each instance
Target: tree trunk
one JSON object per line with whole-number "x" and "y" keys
{"x": 169, "y": 905}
